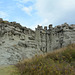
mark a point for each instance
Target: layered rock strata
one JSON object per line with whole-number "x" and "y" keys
{"x": 18, "y": 43}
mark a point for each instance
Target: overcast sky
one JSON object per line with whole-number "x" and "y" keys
{"x": 30, "y": 13}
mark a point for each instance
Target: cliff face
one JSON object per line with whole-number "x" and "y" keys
{"x": 54, "y": 38}
{"x": 18, "y": 43}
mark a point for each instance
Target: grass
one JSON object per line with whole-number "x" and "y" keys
{"x": 9, "y": 70}
{"x": 59, "y": 62}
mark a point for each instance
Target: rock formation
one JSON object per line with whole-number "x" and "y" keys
{"x": 55, "y": 38}
{"x": 18, "y": 43}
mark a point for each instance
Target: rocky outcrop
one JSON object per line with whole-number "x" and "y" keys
{"x": 18, "y": 43}
{"x": 55, "y": 37}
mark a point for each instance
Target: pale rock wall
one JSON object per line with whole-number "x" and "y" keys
{"x": 55, "y": 38}
{"x": 18, "y": 43}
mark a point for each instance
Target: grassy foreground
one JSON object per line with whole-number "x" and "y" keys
{"x": 8, "y": 70}
{"x": 59, "y": 62}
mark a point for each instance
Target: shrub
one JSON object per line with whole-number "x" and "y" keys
{"x": 60, "y": 62}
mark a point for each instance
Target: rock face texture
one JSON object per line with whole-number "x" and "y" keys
{"x": 18, "y": 43}
{"x": 55, "y": 38}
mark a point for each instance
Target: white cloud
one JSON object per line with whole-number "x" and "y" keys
{"x": 3, "y": 14}
{"x": 27, "y": 10}
{"x": 53, "y": 10}
{"x": 67, "y": 4}
{"x": 49, "y": 11}
{"x": 23, "y": 1}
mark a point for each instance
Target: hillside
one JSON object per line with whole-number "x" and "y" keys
{"x": 18, "y": 42}
{"x": 9, "y": 70}
{"x": 58, "y": 62}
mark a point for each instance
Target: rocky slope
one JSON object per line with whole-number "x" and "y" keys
{"x": 16, "y": 43}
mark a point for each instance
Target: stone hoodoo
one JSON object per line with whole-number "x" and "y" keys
{"x": 18, "y": 43}
{"x": 55, "y": 38}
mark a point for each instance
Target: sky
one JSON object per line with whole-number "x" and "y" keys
{"x": 31, "y": 13}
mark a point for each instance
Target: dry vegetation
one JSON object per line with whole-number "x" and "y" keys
{"x": 59, "y": 62}
{"x": 8, "y": 70}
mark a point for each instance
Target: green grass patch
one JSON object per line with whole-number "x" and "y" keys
{"x": 9, "y": 70}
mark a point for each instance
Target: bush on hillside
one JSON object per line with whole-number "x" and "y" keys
{"x": 59, "y": 62}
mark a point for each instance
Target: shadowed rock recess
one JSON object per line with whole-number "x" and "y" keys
{"x": 18, "y": 43}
